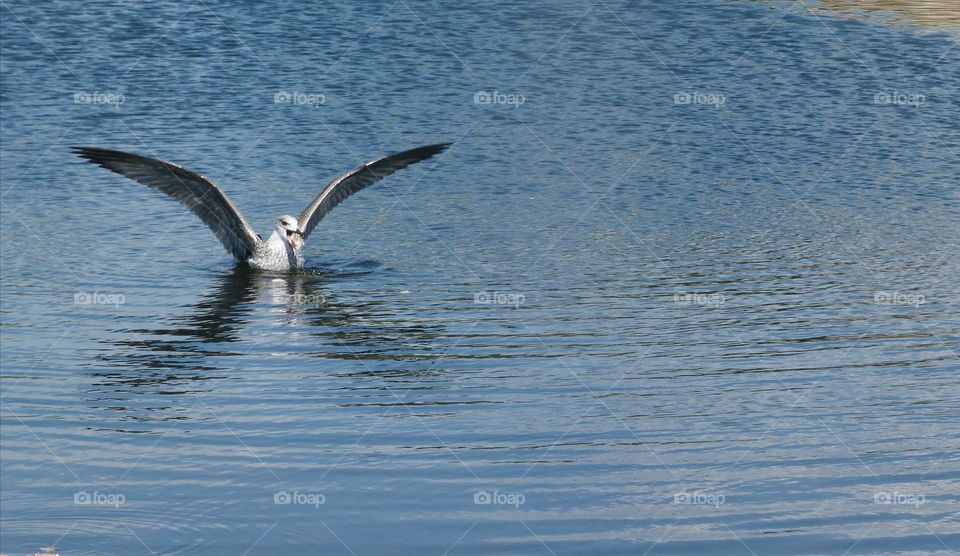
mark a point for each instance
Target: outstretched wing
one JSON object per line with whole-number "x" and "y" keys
{"x": 355, "y": 180}
{"x": 194, "y": 191}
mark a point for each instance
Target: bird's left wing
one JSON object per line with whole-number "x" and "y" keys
{"x": 198, "y": 193}
{"x": 360, "y": 177}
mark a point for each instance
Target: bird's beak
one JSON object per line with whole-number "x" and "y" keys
{"x": 295, "y": 238}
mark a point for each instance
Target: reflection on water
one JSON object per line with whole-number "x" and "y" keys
{"x": 199, "y": 348}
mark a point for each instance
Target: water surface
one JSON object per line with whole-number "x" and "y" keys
{"x": 686, "y": 282}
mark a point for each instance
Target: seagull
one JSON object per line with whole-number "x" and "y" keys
{"x": 282, "y": 251}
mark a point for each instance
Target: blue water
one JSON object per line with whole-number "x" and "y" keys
{"x": 719, "y": 241}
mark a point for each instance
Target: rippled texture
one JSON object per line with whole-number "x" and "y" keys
{"x": 719, "y": 241}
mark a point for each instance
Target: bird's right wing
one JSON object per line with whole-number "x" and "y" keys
{"x": 196, "y": 192}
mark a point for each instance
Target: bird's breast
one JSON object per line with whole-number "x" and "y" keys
{"x": 276, "y": 256}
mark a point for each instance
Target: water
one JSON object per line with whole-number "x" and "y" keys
{"x": 718, "y": 241}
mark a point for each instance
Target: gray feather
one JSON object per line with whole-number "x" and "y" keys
{"x": 196, "y": 192}
{"x": 359, "y": 178}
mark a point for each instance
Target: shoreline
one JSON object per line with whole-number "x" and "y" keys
{"x": 926, "y": 16}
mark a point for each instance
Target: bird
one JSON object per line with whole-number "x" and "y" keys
{"x": 282, "y": 251}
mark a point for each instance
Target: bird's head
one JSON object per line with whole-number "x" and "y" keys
{"x": 288, "y": 230}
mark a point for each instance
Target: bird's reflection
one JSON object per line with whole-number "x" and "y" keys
{"x": 219, "y": 315}
{"x": 216, "y": 319}
{"x": 191, "y": 352}
{"x": 212, "y": 325}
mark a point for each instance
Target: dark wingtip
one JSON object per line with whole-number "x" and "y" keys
{"x": 429, "y": 150}
{"x": 92, "y": 154}
{"x": 104, "y": 157}
{"x": 439, "y": 147}
{"x": 87, "y": 153}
